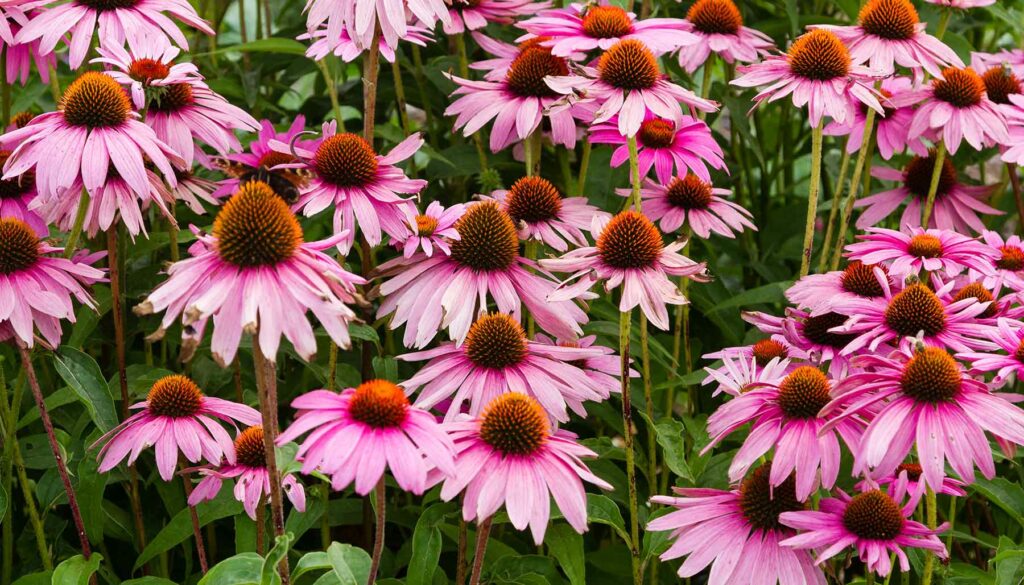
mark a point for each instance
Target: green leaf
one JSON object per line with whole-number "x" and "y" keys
{"x": 566, "y": 545}
{"x": 311, "y": 561}
{"x": 350, "y": 565}
{"x": 4, "y": 503}
{"x": 1005, "y": 494}
{"x": 91, "y": 485}
{"x": 268, "y": 574}
{"x": 84, "y": 377}
{"x": 1009, "y": 562}
{"x": 179, "y": 529}
{"x": 603, "y": 510}
{"x": 148, "y": 581}
{"x": 426, "y": 544}
{"x": 671, "y": 434}
{"x": 269, "y": 45}
{"x": 767, "y": 294}
{"x": 44, "y": 578}
{"x": 76, "y": 570}
{"x": 243, "y": 569}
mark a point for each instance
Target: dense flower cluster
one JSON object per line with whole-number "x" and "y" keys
{"x": 880, "y": 385}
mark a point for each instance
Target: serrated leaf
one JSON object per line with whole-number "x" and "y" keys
{"x": 603, "y": 510}
{"x": 83, "y": 375}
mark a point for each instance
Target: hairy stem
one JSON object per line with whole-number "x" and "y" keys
{"x": 266, "y": 383}
{"x": 867, "y": 149}
{"x": 625, "y": 321}
{"x": 483, "y": 531}
{"x": 812, "y": 199}
{"x": 378, "y": 538}
{"x": 62, "y": 470}
{"x": 197, "y": 532}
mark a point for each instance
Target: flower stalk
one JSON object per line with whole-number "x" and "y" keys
{"x": 266, "y": 382}
{"x": 197, "y": 532}
{"x": 812, "y": 198}
{"x": 483, "y": 531}
{"x": 862, "y": 166}
{"x": 933, "y": 187}
{"x": 379, "y": 493}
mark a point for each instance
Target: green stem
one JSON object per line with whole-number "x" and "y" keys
{"x": 421, "y": 86}
{"x": 55, "y": 90}
{"x": 76, "y": 229}
{"x": 812, "y": 198}
{"x": 33, "y": 512}
{"x": 931, "y": 513}
{"x": 531, "y": 254}
{"x": 705, "y": 86}
{"x": 325, "y": 519}
{"x": 867, "y": 149}
{"x": 5, "y": 90}
{"x": 332, "y": 90}
{"x": 625, "y": 321}
{"x": 952, "y": 522}
{"x": 837, "y": 200}
{"x": 581, "y": 181}
{"x": 645, "y": 364}
{"x": 933, "y": 188}
{"x": 634, "y": 173}
{"x": 478, "y": 139}
{"x": 943, "y": 23}
{"x": 531, "y": 153}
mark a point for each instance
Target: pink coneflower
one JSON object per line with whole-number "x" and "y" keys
{"x": 1000, "y": 84}
{"x": 517, "y": 103}
{"x": 433, "y": 229}
{"x": 739, "y": 374}
{"x": 889, "y": 33}
{"x": 920, "y": 396}
{"x": 629, "y": 252}
{"x": 581, "y": 28}
{"x": 176, "y": 417}
{"x": 695, "y": 203}
{"x": 134, "y": 21}
{"x": 718, "y": 25}
{"x": 890, "y": 128}
{"x": 786, "y": 417}
{"x": 1011, "y": 58}
{"x": 96, "y": 116}
{"x": 361, "y": 431}
{"x": 1014, "y": 152}
{"x": 252, "y": 481}
{"x": 627, "y": 83}
{"x": 348, "y": 50}
{"x": 476, "y": 14}
{"x": 542, "y": 213}
{"x": 909, "y": 311}
{"x": 737, "y": 533}
{"x": 962, "y": 4}
{"x": 818, "y": 73}
{"x": 510, "y": 455}
{"x": 427, "y": 294}
{"x": 821, "y": 293}
{"x": 39, "y": 286}
{"x": 16, "y": 195}
{"x": 873, "y": 522}
{"x": 909, "y": 252}
{"x": 262, "y": 160}
{"x": 22, "y": 56}
{"x": 956, "y": 205}
{"x": 183, "y": 114}
{"x": 603, "y": 369}
{"x": 809, "y": 336}
{"x": 955, "y": 107}
{"x": 1007, "y": 366}
{"x": 255, "y": 273}
{"x": 763, "y": 351}
{"x": 364, "y": 187}
{"x": 113, "y": 200}
{"x": 670, "y": 147}
{"x": 361, "y": 19}
{"x": 950, "y": 485}
{"x": 150, "y": 66}
{"x": 1007, "y": 267}
{"x": 497, "y": 358}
